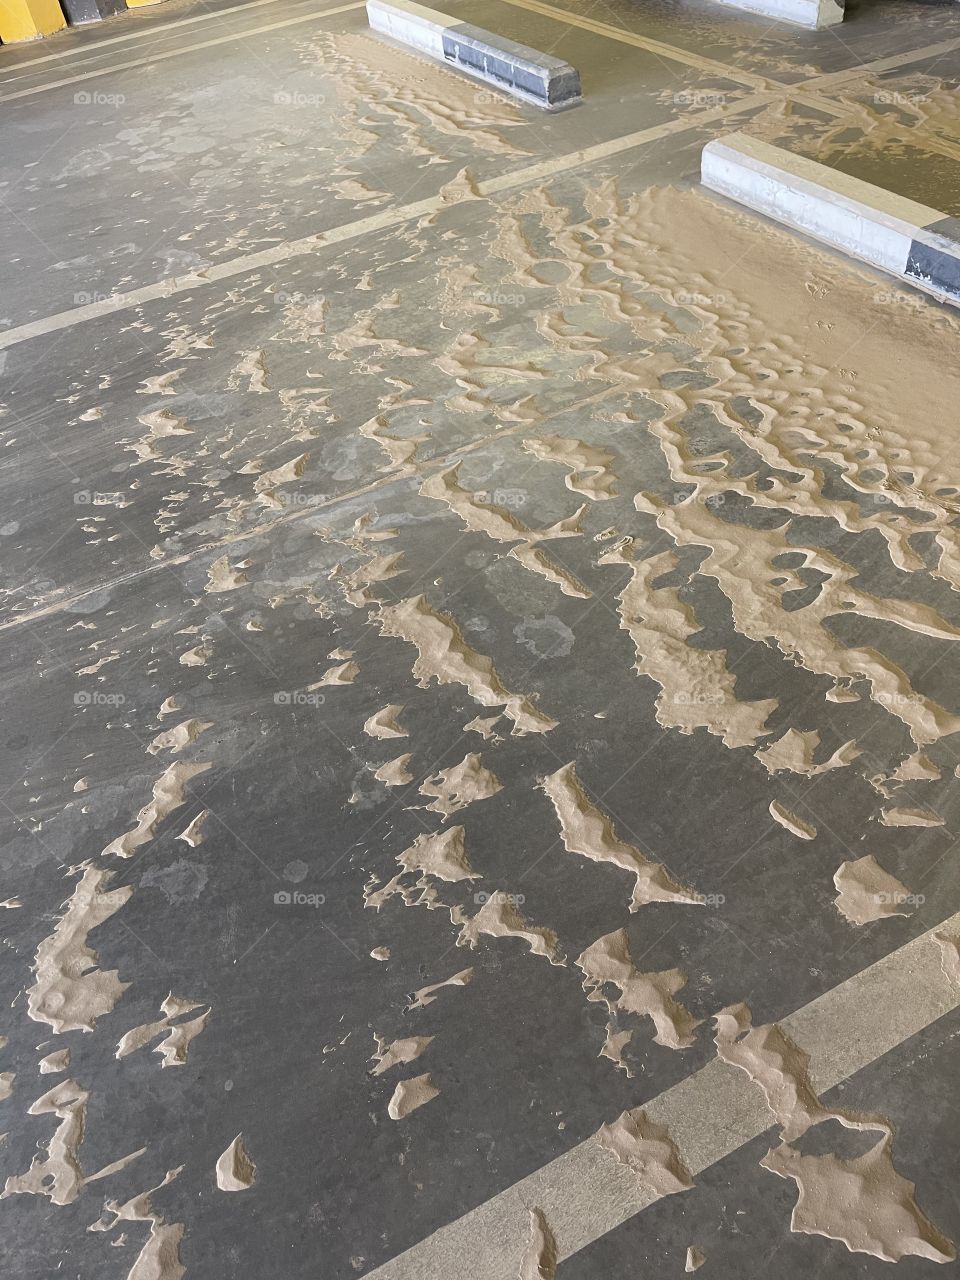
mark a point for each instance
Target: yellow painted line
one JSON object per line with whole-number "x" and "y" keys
{"x": 29, "y": 19}
{"x": 314, "y": 16}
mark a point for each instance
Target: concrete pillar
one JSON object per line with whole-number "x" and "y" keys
{"x": 29, "y": 19}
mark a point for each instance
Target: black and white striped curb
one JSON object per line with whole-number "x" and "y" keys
{"x": 898, "y": 235}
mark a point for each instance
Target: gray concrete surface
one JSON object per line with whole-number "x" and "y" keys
{"x": 175, "y": 164}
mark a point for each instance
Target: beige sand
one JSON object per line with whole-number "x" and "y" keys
{"x": 648, "y": 1150}
{"x": 587, "y": 831}
{"x": 235, "y": 1170}
{"x": 649, "y": 995}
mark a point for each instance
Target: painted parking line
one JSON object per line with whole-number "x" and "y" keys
{"x": 154, "y": 29}
{"x": 714, "y": 1112}
{"x": 622, "y": 36}
{"x": 315, "y": 15}
{"x": 538, "y": 172}
{"x": 381, "y": 221}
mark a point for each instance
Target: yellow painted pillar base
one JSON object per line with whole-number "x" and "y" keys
{"x": 29, "y": 19}
{"x": 134, "y": 4}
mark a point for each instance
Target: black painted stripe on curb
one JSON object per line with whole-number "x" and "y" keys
{"x": 78, "y": 12}
{"x": 515, "y": 66}
{"x": 535, "y": 77}
{"x": 935, "y": 259}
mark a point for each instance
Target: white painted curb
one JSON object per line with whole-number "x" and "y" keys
{"x": 513, "y": 68}
{"x": 898, "y": 235}
{"x": 805, "y": 13}
{"x": 409, "y": 23}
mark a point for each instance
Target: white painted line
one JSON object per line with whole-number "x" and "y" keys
{"x": 393, "y": 217}
{"x": 154, "y": 29}
{"x": 804, "y": 13}
{"x": 352, "y": 230}
{"x": 289, "y": 516}
{"x": 677, "y": 54}
{"x": 314, "y": 16}
{"x": 586, "y": 1193}
{"x": 885, "y": 64}
{"x": 668, "y": 51}
{"x": 917, "y": 244}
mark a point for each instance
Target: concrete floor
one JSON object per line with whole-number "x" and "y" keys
{"x": 166, "y": 181}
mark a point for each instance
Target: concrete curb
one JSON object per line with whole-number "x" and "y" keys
{"x": 79, "y": 12}
{"x": 805, "y": 13}
{"x": 32, "y": 19}
{"x": 29, "y": 20}
{"x": 513, "y": 68}
{"x": 907, "y": 239}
